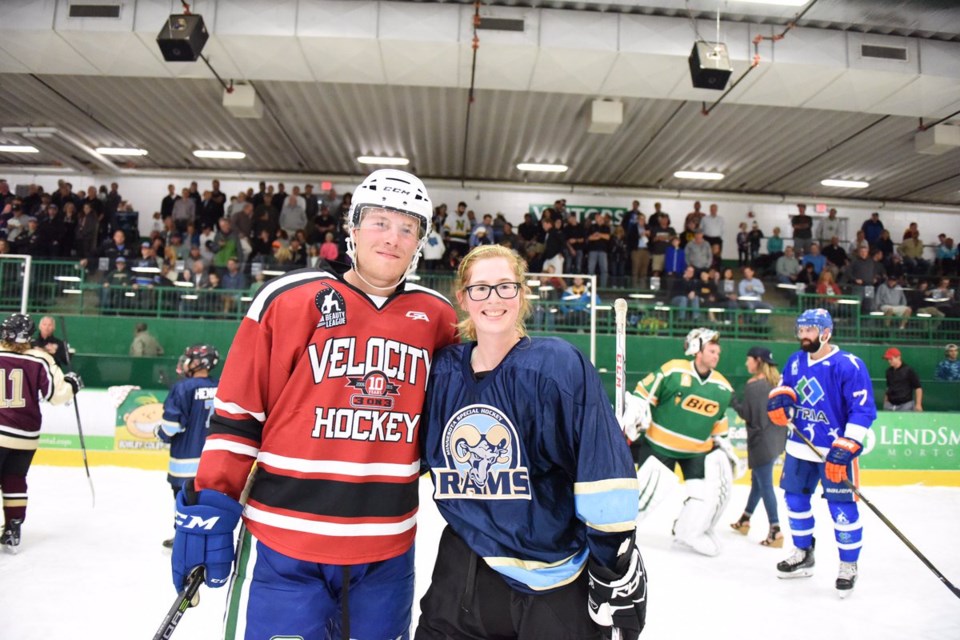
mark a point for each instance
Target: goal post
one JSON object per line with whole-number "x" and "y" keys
{"x": 15, "y": 272}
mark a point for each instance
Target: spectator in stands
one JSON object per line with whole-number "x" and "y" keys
{"x": 17, "y": 222}
{"x": 553, "y": 246}
{"x": 28, "y": 241}
{"x": 802, "y": 229}
{"x": 618, "y": 256}
{"x": 432, "y": 251}
{"x": 904, "y": 392}
{"x": 743, "y": 245}
{"x": 708, "y": 293}
{"x": 885, "y": 244}
{"x": 685, "y": 294}
{"x": 750, "y": 291}
{"x": 788, "y": 267}
{"x": 233, "y": 280}
{"x": 292, "y": 216}
{"x": 144, "y": 344}
{"x": 58, "y": 348}
{"x": 653, "y": 222}
{"x": 891, "y": 300}
{"x": 864, "y": 271}
{"x": 712, "y": 226}
{"x": 859, "y": 241}
{"x": 86, "y": 235}
{"x": 68, "y": 223}
{"x": 50, "y": 232}
{"x": 912, "y": 251}
{"x": 942, "y": 299}
{"x": 663, "y": 233}
{"x": 872, "y": 228}
{"x": 511, "y": 239}
{"x": 486, "y": 224}
{"x": 166, "y": 205}
{"x": 184, "y": 211}
{"x": 698, "y": 253}
{"x": 807, "y": 277}
{"x": 638, "y": 241}
{"x": 242, "y": 222}
{"x": 598, "y": 246}
{"x": 727, "y": 289}
{"x": 690, "y": 224}
{"x": 829, "y": 227}
{"x": 816, "y": 259}
{"x": 908, "y": 232}
{"x": 115, "y": 284}
{"x": 947, "y": 257}
{"x": 755, "y": 237}
{"x": 675, "y": 261}
{"x": 836, "y": 256}
{"x": 948, "y": 369}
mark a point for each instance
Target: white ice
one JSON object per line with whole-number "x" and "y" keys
{"x": 101, "y": 572}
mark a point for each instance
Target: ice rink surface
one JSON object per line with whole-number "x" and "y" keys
{"x": 101, "y": 573}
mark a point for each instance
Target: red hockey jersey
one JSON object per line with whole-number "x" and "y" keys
{"x": 324, "y": 390}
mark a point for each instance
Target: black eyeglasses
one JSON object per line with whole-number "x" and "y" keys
{"x": 480, "y": 292}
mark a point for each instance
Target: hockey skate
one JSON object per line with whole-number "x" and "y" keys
{"x": 846, "y": 578}
{"x": 10, "y": 539}
{"x": 799, "y": 565}
{"x": 167, "y": 544}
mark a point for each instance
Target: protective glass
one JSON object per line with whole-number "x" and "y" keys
{"x": 505, "y": 290}
{"x": 378, "y": 219}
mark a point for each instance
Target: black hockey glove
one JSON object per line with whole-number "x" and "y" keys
{"x": 74, "y": 380}
{"x": 618, "y": 599}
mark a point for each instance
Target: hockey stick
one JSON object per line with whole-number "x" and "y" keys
{"x": 187, "y": 598}
{"x": 76, "y": 409}
{"x": 620, "y": 318}
{"x": 883, "y": 518}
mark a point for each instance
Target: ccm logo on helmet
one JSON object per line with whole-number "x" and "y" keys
{"x": 700, "y": 405}
{"x": 397, "y": 190}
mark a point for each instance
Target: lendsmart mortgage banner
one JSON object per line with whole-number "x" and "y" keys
{"x": 913, "y": 441}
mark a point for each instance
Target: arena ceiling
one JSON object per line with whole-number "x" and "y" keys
{"x": 339, "y": 79}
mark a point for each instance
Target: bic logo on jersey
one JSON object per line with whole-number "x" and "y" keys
{"x": 704, "y": 407}
{"x": 483, "y": 457}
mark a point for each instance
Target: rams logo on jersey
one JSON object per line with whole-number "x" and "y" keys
{"x": 333, "y": 310}
{"x": 483, "y": 458}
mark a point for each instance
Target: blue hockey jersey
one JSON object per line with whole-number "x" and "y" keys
{"x": 186, "y": 418}
{"x": 834, "y": 396}
{"x": 529, "y": 465}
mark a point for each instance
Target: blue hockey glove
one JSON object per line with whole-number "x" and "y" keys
{"x": 841, "y": 453}
{"x": 618, "y": 599}
{"x": 781, "y": 405}
{"x": 204, "y": 535}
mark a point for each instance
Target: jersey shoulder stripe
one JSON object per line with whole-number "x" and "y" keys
{"x": 42, "y": 358}
{"x": 409, "y": 287}
{"x": 270, "y": 291}
{"x": 675, "y": 366}
{"x": 718, "y": 378}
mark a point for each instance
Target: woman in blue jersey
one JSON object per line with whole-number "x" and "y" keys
{"x": 532, "y": 474}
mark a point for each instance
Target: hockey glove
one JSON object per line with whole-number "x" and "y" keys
{"x": 618, "y": 599}
{"x": 739, "y": 464}
{"x": 841, "y": 453}
{"x": 74, "y": 380}
{"x": 781, "y": 405}
{"x": 204, "y": 535}
{"x": 636, "y": 416}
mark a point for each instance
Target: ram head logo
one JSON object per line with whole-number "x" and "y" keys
{"x": 481, "y": 451}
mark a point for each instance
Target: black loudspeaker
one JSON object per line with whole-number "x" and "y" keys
{"x": 709, "y": 65}
{"x": 182, "y": 38}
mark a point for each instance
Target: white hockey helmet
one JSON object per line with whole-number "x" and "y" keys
{"x": 697, "y": 339}
{"x": 397, "y": 191}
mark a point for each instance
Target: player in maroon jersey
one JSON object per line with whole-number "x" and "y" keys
{"x": 27, "y": 377}
{"x": 323, "y": 388}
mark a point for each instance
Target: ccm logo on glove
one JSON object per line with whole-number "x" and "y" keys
{"x": 196, "y": 522}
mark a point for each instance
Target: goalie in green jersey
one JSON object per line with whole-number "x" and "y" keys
{"x": 677, "y": 417}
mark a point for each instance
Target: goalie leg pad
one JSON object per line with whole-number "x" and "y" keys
{"x": 694, "y": 526}
{"x": 656, "y": 482}
{"x": 719, "y": 484}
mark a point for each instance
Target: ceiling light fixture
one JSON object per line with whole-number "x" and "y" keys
{"x": 219, "y": 155}
{"x": 547, "y": 168}
{"x": 698, "y": 175}
{"x": 393, "y": 162}
{"x": 845, "y": 184}
{"x": 779, "y": 3}
{"x": 121, "y": 151}
{"x": 18, "y": 148}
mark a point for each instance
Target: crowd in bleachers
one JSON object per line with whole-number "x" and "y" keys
{"x": 208, "y": 240}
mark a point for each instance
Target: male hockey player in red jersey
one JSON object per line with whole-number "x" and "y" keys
{"x": 323, "y": 388}
{"x": 27, "y": 376}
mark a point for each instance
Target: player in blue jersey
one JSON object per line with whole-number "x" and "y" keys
{"x": 186, "y": 414}
{"x": 532, "y": 474}
{"x": 825, "y": 393}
